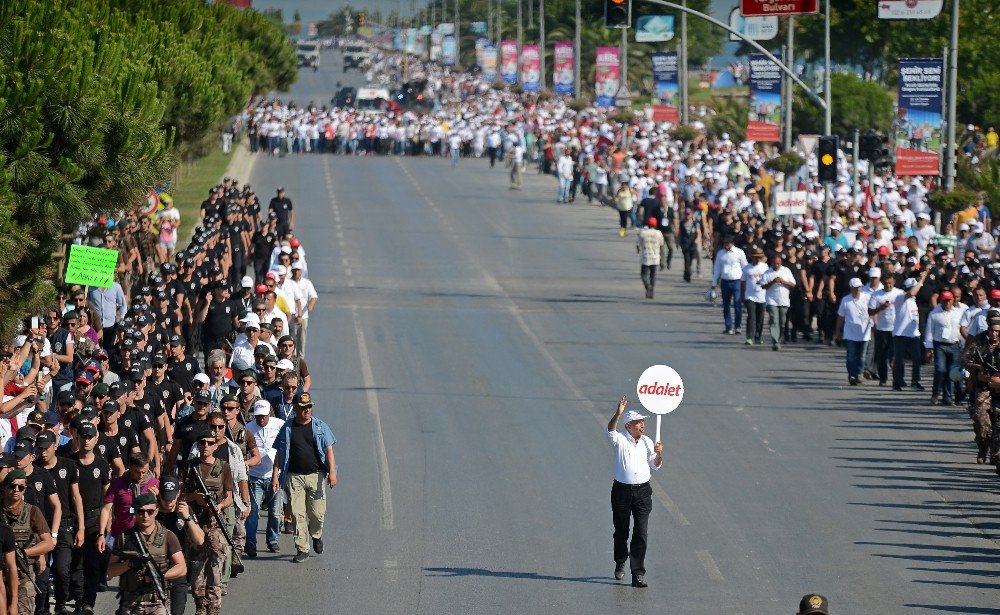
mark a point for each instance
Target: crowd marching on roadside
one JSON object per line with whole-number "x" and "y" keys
{"x": 876, "y": 277}
{"x": 146, "y": 425}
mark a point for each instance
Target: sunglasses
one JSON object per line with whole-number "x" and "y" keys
{"x": 228, "y": 408}
{"x": 145, "y": 512}
{"x": 18, "y": 488}
{"x": 206, "y": 442}
{"x": 217, "y": 427}
{"x": 288, "y": 388}
{"x": 270, "y": 367}
{"x": 245, "y": 382}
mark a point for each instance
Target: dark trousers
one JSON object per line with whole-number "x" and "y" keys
{"x": 904, "y": 348}
{"x": 730, "y": 299}
{"x": 88, "y": 560}
{"x": 62, "y": 558}
{"x": 883, "y": 353}
{"x": 755, "y": 320}
{"x": 945, "y": 357}
{"x": 179, "y": 590}
{"x": 635, "y": 501}
{"x": 648, "y": 275}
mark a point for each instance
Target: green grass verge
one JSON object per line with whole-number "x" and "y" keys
{"x": 191, "y": 184}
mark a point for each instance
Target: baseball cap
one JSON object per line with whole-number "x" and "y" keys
{"x": 169, "y": 488}
{"x": 284, "y": 364}
{"x": 632, "y": 415}
{"x": 297, "y": 265}
{"x": 36, "y": 418}
{"x": 22, "y": 449}
{"x": 64, "y": 397}
{"x": 909, "y": 283}
{"x": 280, "y": 270}
{"x": 202, "y": 378}
{"x": 203, "y": 397}
{"x": 246, "y": 282}
{"x": 813, "y": 604}
{"x": 177, "y": 340}
{"x": 946, "y": 295}
{"x": 303, "y": 400}
{"x": 45, "y": 439}
{"x": 855, "y": 283}
{"x": 874, "y": 272}
{"x": 261, "y": 289}
{"x": 111, "y": 406}
{"x": 995, "y": 293}
{"x": 251, "y": 320}
{"x": 261, "y": 408}
{"x": 28, "y": 432}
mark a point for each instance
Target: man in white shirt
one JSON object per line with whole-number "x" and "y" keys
{"x": 727, "y": 272}
{"x": 631, "y": 493}
{"x": 564, "y": 171}
{"x": 906, "y": 334}
{"x": 854, "y": 326}
{"x": 309, "y": 297}
{"x": 882, "y": 308}
{"x": 943, "y": 337}
{"x": 264, "y": 429}
{"x": 777, "y": 283}
{"x": 753, "y": 296}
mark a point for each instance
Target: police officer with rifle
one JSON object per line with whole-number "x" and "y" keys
{"x": 982, "y": 360}
{"x": 32, "y": 537}
{"x": 146, "y": 558}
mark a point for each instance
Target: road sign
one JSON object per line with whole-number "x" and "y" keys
{"x": 660, "y": 390}
{"x": 623, "y": 97}
{"x": 909, "y": 9}
{"x": 790, "y": 203}
{"x": 753, "y": 28}
{"x": 761, "y": 8}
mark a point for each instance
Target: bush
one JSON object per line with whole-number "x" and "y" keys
{"x": 788, "y": 163}
{"x": 685, "y": 134}
{"x": 622, "y": 116}
{"x": 578, "y": 104}
{"x": 856, "y": 103}
{"x": 951, "y": 202}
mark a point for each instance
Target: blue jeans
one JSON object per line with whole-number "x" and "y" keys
{"x": 564, "y": 185}
{"x": 730, "y": 298}
{"x": 945, "y": 357}
{"x": 855, "y": 357}
{"x": 260, "y": 488}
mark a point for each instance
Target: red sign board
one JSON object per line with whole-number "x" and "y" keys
{"x": 760, "y": 8}
{"x": 664, "y": 113}
{"x": 914, "y": 162}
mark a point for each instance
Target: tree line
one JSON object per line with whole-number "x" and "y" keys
{"x": 99, "y": 99}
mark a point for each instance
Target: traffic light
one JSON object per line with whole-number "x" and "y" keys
{"x": 870, "y": 147}
{"x": 617, "y": 13}
{"x": 361, "y": 19}
{"x": 826, "y": 154}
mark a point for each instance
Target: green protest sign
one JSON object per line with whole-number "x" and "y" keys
{"x": 91, "y": 266}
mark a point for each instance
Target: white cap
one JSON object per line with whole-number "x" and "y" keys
{"x": 202, "y": 378}
{"x": 20, "y": 340}
{"x": 296, "y": 266}
{"x": 874, "y": 272}
{"x": 284, "y": 364}
{"x": 261, "y": 407}
{"x": 909, "y": 283}
{"x": 632, "y": 415}
{"x": 963, "y": 227}
{"x": 280, "y": 270}
{"x": 251, "y": 320}
{"x": 923, "y": 216}
{"x": 836, "y": 226}
{"x": 855, "y": 283}
{"x": 977, "y": 228}
{"x": 858, "y": 246}
{"x": 246, "y": 282}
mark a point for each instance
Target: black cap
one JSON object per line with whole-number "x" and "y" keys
{"x": 128, "y": 344}
{"x": 170, "y": 488}
{"x": 177, "y": 340}
{"x": 159, "y": 359}
{"x": 813, "y": 604}
{"x": 28, "y": 432}
{"x": 64, "y": 397}
{"x": 22, "y": 449}
{"x": 204, "y": 396}
{"x": 85, "y": 428}
{"x": 35, "y": 417}
{"x": 111, "y": 406}
{"x": 45, "y": 440}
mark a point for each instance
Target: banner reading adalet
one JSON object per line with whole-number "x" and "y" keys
{"x": 918, "y": 116}
{"x": 764, "y": 122}
{"x": 660, "y": 390}
{"x": 508, "y": 62}
{"x": 531, "y": 68}
{"x": 665, "y": 86}
{"x": 606, "y": 82}
{"x": 562, "y": 67}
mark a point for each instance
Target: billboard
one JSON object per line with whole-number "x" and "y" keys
{"x": 607, "y": 78}
{"x": 481, "y": 43}
{"x": 760, "y": 8}
{"x": 448, "y": 50}
{"x": 754, "y": 28}
{"x": 654, "y": 28}
{"x": 490, "y": 63}
{"x": 531, "y": 68}
{"x": 562, "y": 67}
{"x": 764, "y": 121}
{"x": 917, "y": 126}
{"x": 508, "y": 62}
{"x": 665, "y": 86}
{"x": 909, "y": 9}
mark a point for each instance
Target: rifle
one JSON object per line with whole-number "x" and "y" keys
{"x": 155, "y": 575}
{"x": 237, "y": 560}
{"x": 24, "y": 567}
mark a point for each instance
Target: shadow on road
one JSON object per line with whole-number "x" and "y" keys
{"x": 530, "y": 576}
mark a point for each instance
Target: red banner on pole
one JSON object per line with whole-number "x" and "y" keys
{"x": 665, "y": 113}
{"x": 760, "y": 8}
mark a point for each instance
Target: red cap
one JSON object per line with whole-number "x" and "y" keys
{"x": 295, "y": 243}
{"x": 652, "y": 223}
{"x": 271, "y": 274}
{"x": 883, "y": 250}
{"x": 946, "y": 295}
{"x": 995, "y": 293}
{"x": 261, "y": 289}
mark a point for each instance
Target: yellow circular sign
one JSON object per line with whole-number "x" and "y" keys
{"x": 827, "y": 159}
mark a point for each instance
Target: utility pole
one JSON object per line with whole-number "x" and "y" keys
{"x": 541, "y": 42}
{"x": 499, "y": 35}
{"x": 576, "y": 54}
{"x": 458, "y": 36}
{"x": 623, "y": 62}
{"x": 952, "y": 89}
{"x": 684, "y": 64}
{"x": 520, "y": 29}
{"x": 827, "y": 116}
{"x": 789, "y": 60}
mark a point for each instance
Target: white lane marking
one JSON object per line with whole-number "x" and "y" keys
{"x": 709, "y": 565}
{"x": 522, "y": 324}
{"x": 368, "y": 377}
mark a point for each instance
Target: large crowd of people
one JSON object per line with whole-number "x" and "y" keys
{"x": 146, "y": 425}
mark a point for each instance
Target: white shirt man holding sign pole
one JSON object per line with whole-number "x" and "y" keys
{"x": 631, "y": 493}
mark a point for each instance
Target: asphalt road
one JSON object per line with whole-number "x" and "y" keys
{"x": 468, "y": 349}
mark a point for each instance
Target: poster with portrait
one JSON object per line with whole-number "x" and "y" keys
{"x": 531, "y": 68}
{"x": 562, "y": 68}
{"x": 606, "y": 81}
{"x": 508, "y": 62}
{"x": 764, "y": 121}
{"x": 917, "y": 125}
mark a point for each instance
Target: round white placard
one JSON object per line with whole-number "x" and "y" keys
{"x": 660, "y": 389}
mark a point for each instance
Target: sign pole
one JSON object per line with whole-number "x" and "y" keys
{"x": 576, "y": 55}
{"x": 658, "y": 418}
{"x": 684, "y": 65}
{"x": 789, "y": 61}
{"x": 949, "y": 156}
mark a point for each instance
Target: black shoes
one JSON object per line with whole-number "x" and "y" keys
{"x": 619, "y": 570}
{"x": 318, "y": 545}
{"x": 273, "y": 547}
{"x": 250, "y": 550}
{"x": 300, "y": 557}
{"x": 639, "y": 581}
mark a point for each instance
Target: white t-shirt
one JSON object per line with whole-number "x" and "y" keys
{"x": 907, "y": 322}
{"x": 857, "y": 322}
{"x": 308, "y": 292}
{"x": 778, "y": 294}
{"x": 886, "y": 319}
{"x": 752, "y": 275}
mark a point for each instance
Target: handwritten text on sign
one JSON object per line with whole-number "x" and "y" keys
{"x": 91, "y": 266}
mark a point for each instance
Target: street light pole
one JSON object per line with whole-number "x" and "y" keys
{"x": 541, "y": 42}
{"x": 684, "y": 64}
{"x": 576, "y": 53}
{"x": 789, "y": 60}
{"x": 949, "y": 152}
{"x": 827, "y": 115}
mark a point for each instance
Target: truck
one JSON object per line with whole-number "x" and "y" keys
{"x": 307, "y": 53}
{"x": 355, "y": 56}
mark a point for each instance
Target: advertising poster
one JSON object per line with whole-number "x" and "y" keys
{"x": 754, "y": 28}
{"x": 607, "y": 78}
{"x": 490, "y": 63}
{"x": 665, "y": 85}
{"x": 508, "y": 62}
{"x": 909, "y": 9}
{"x": 654, "y": 28}
{"x": 481, "y": 43}
{"x": 562, "y": 68}
{"x": 531, "y": 68}
{"x": 917, "y": 126}
{"x": 448, "y": 50}
{"x": 411, "y": 40}
{"x": 764, "y": 121}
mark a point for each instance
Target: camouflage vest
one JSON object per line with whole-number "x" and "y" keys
{"x": 137, "y": 582}
{"x": 21, "y": 524}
